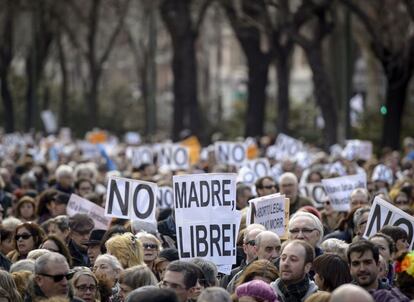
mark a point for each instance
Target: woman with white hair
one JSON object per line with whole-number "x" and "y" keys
{"x": 64, "y": 179}
{"x": 151, "y": 246}
{"x": 107, "y": 270}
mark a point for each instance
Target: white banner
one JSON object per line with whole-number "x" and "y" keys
{"x": 165, "y": 198}
{"x": 131, "y": 199}
{"x": 140, "y": 155}
{"x": 286, "y": 147}
{"x": 382, "y": 173}
{"x": 314, "y": 191}
{"x": 174, "y": 157}
{"x": 271, "y": 211}
{"x": 339, "y": 189}
{"x": 357, "y": 149}
{"x": 383, "y": 213}
{"x": 207, "y": 221}
{"x": 230, "y": 153}
{"x": 260, "y": 167}
{"x": 79, "y": 205}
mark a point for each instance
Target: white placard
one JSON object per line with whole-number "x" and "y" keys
{"x": 132, "y": 138}
{"x": 271, "y": 211}
{"x": 246, "y": 176}
{"x": 131, "y": 199}
{"x": 314, "y": 191}
{"x": 207, "y": 222}
{"x": 287, "y": 147}
{"x": 230, "y": 153}
{"x": 382, "y": 173}
{"x": 260, "y": 167}
{"x": 165, "y": 198}
{"x": 79, "y": 205}
{"x": 140, "y": 155}
{"x": 173, "y": 156}
{"x": 357, "y": 149}
{"x": 383, "y": 213}
{"x": 49, "y": 121}
{"x": 339, "y": 189}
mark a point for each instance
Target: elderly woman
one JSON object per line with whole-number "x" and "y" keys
{"x": 135, "y": 277}
{"x": 126, "y": 248}
{"x": 27, "y": 236}
{"x": 151, "y": 246}
{"x": 85, "y": 285}
{"x": 107, "y": 270}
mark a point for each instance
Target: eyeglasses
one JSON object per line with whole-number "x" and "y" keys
{"x": 251, "y": 242}
{"x": 58, "y": 278}
{"x": 24, "y": 236}
{"x": 165, "y": 284}
{"x": 149, "y": 246}
{"x": 304, "y": 231}
{"x": 84, "y": 288}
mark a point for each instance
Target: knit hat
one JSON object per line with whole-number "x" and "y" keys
{"x": 256, "y": 289}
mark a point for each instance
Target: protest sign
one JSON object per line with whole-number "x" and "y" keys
{"x": 207, "y": 222}
{"x": 271, "y": 211}
{"x": 140, "y": 155}
{"x": 286, "y": 147}
{"x": 49, "y": 121}
{"x": 357, "y": 149}
{"x": 339, "y": 189}
{"x": 89, "y": 151}
{"x": 246, "y": 176}
{"x": 132, "y": 138}
{"x": 131, "y": 199}
{"x": 79, "y": 205}
{"x": 165, "y": 197}
{"x": 96, "y": 136}
{"x": 173, "y": 156}
{"x": 230, "y": 153}
{"x": 382, "y": 173}
{"x": 260, "y": 166}
{"x": 384, "y": 213}
{"x": 314, "y": 191}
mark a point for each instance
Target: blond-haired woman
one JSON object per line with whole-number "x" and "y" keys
{"x": 127, "y": 249}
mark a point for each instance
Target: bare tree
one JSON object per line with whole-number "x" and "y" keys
{"x": 93, "y": 30}
{"x": 389, "y": 25}
{"x": 182, "y": 19}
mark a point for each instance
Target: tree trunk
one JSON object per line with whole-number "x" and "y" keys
{"x": 8, "y": 104}
{"x": 63, "y": 108}
{"x": 31, "y": 92}
{"x": 92, "y": 99}
{"x": 323, "y": 94}
{"x": 283, "y": 74}
{"x": 395, "y": 101}
{"x": 258, "y": 64}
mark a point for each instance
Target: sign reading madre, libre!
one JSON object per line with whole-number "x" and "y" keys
{"x": 207, "y": 222}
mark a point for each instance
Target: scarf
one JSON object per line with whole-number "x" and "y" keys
{"x": 294, "y": 292}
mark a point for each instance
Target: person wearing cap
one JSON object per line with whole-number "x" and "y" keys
{"x": 256, "y": 290}
{"x": 94, "y": 245}
{"x": 81, "y": 226}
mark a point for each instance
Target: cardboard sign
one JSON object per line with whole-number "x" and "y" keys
{"x": 271, "y": 211}
{"x": 131, "y": 199}
{"x": 260, "y": 167}
{"x": 287, "y": 147}
{"x": 357, "y": 149}
{"x": 49, "y": 121}
{"x": 314, "y": 191}
{"x": 382, "y": 173}
{"x": 140, "y": 155}
{"x": 383, "y": 213}
{"x": 174, "y": 157}
{"x": 79, "y": 205}
{"x": 230, "y": 153}
{"x": 165, "y": 198}
{"x": 207, "y": 222}
{"x": 339, "y": 189}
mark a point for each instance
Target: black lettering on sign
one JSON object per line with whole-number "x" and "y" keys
{"x": 180, "y": 156}
{"x": 166, "y": 155}
{"x": 180, "y": 195}
{"x": 253, "y": 212}
{"x": 215, "y": 239}
{"x": 123, "y": 204}
{"x": 151, "y": 201}
{"x": 238, "y": 153}
{"x": 261, "y": 169}
{"x": 202, "y": 244}
{"x": 223, "y": 152}
{"x": 404, "y": 221}
{"x": 183, "y": 254}
{"x": 376, "y": 218}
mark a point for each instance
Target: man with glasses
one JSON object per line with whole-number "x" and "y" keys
{"x": 181, "y": 277}
{"x": 81, "y": 226}
{"x": 51, "y": 275}
{"x": 288, "y": 183}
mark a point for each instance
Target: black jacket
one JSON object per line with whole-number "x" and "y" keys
{"x": 79, "y": 258}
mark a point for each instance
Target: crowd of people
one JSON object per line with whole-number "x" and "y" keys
{"x": 47, "y": 255}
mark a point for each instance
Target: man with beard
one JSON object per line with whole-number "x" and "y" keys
{"x": 295, "y": 263}
{"x": 363, "y": 259}
{"x": 81, "y": 226}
